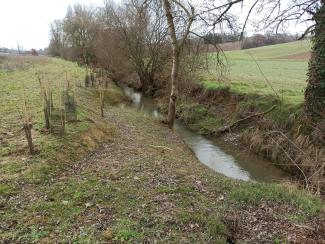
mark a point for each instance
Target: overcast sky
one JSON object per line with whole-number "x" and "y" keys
{"x": 27, "y": 21}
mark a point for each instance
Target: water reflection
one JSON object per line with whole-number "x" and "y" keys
{"x": 220, "y": 157}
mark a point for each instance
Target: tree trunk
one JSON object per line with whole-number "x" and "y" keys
{"x": 102, "y": 106}
{"x": 315, "y": 91}
{"x": 143, "y": 83}
{"x": 47, "y": 108}
{"x": 28, "y": 133}
{"x": 47, "y": 115}
{"x": 173, "y": 92}
{"x": 175, "y": 67}
{"x": 147, "y": 83}
{"x": 51, "y": 103}
{"x": 87, "y": 79}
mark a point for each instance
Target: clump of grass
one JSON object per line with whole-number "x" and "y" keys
{"x": 255, "y": 193}
{"x": 192, "y": 218}
{"x": 216, "y": 227}
{"x": 6, "y": 189}
{"x": 125, "y": 231}
{"x": 212, "y": 225}
{"x": 38, "y": 173}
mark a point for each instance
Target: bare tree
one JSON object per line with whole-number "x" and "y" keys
{"x": 143, "y": 30}
{"x": 80, "y": 28}
{"x": 177, "y": 45}
{"x": 57, "y": 42}
{"x": 210, "y": 15}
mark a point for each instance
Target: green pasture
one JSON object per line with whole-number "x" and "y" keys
{"x": 279, "y": 70}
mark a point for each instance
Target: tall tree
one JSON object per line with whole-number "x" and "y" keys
{"x": 80, "y": 28}
{"x": 57, "y": 38}
{"x": 180, "y": 16}
{"x": 177, "y": 45}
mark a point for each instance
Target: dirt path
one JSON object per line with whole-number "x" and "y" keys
{"x": 145, "y": 185}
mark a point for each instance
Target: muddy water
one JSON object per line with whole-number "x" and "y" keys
{"x": 223, "y": 158}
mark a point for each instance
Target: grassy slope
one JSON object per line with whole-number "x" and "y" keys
{"x": 285, "y": 74}
{"x": 143, "y": 184}
{"x": 18, "y": 75}
{"x": 54, "y": 151}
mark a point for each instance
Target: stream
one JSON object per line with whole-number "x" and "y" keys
{"x": 216, "y": 154}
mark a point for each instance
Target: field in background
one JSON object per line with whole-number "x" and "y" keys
{"x": 266, "y": 70}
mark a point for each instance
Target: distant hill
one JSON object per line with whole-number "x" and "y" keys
{"x": 298, "y": 50}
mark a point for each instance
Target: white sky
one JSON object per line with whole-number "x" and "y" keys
{"x": 27, "y": 21}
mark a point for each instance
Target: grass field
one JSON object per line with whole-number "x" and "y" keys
{"x": 18, "y": 76}
{"x": 257, "y": 70}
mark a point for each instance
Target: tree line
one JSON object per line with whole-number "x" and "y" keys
{"x": 162, "y": 40}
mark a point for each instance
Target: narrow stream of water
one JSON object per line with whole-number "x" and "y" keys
{"x": 217, "y": 155}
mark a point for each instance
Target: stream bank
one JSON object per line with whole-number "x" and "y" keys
{"x": 221, "y": 157}
{"x": 283, "y": 136}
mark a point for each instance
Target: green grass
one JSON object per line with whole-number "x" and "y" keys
{"x": 18, "y": 76}
{"x": 6, "y": 189}
{"x": 279, "y": 51}
{"x": 253, "y": 194}
{"x": 127, "y": 192}
{"x": 277, "y": 69}
{"x": 125, "y": 231}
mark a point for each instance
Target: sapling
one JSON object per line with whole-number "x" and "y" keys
{"x": 62, "y": 112}
{"x": 101, "y": 94}
{"x": 46, "y": 94}
{"x": 27, "y": 124}
{"x": 69, "y": 101}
